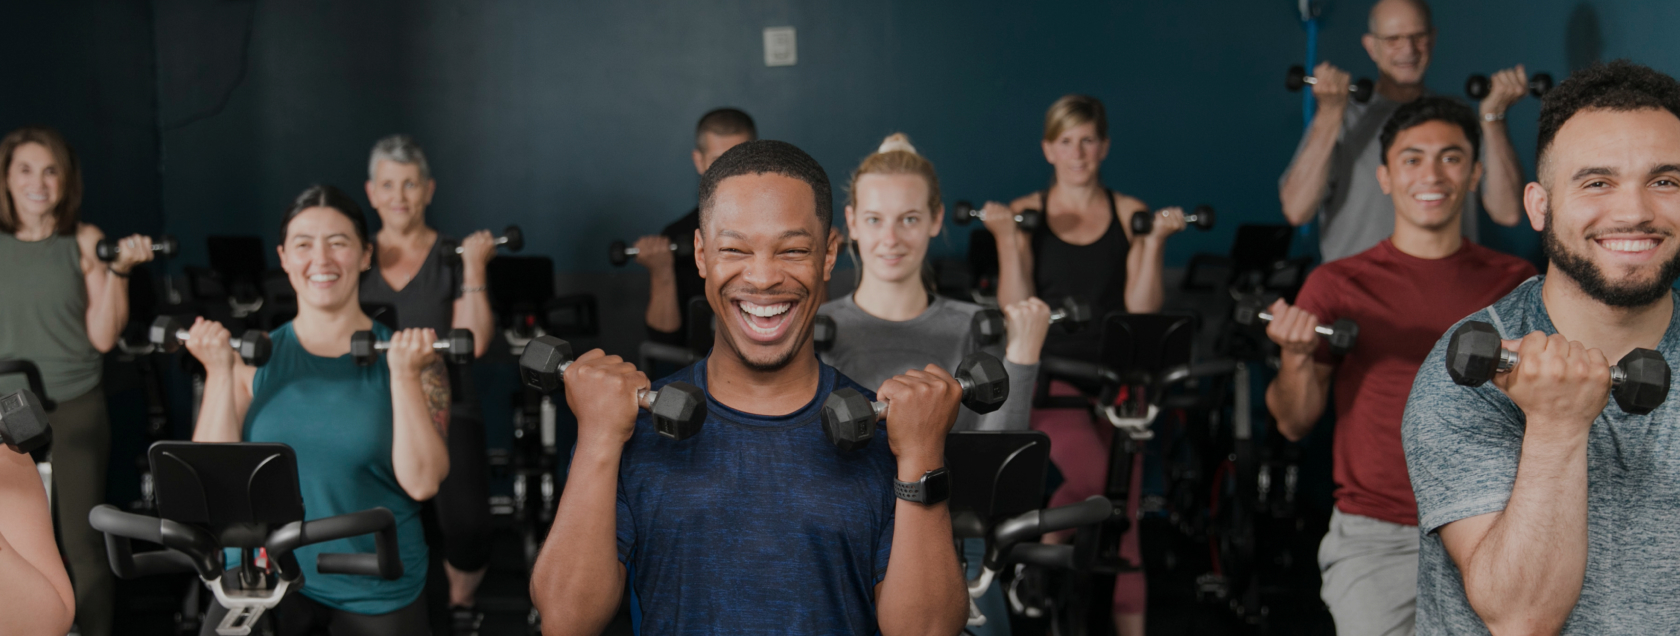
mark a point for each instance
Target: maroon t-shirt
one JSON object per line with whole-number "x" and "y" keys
{"x": 1403, "y": 305}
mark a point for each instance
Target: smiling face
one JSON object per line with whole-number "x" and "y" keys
{"x": 1610, "y": 208}
{"x": 1400, "y": 41}
{"x": 766, "y": 259}
{"x": 323, "y": 257}
{"x": 399, "y": 193}
{"x": 34, "y": 180}
{"x": 892, "y": 225}
{"x": 1429, "y": 172}
{"x": 1077, "y": 153}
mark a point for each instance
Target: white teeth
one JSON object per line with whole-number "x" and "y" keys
{"x": 1628, "y": 245}
{"x": 323, "y": 278}
{"x": 765, "y": 311}
{"x": 1431, "y": 196}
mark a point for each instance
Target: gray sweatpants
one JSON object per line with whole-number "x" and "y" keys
{"x": 1369, "y": 569}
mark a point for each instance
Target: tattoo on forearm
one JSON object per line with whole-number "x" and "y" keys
{"x": 434, "y": 382}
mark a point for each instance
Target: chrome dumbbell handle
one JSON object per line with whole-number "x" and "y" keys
{"x": 385, "y": 345}
{"x": 1321, "y": 329}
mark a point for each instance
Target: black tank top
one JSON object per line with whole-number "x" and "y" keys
{"x": 1095, "y": 273}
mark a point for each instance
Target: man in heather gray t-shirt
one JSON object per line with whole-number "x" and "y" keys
{"x": 1462, "y": 449}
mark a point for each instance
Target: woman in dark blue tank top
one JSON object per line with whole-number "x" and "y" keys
{"x": 1084, "y": 248}
{"x": 365, "y": 436}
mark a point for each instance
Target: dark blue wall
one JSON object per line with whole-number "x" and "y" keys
{"x": 574, "y": 119}
{"x": 86, "y": 68}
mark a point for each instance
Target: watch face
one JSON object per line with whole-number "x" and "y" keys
{"x": 936, "y": 486}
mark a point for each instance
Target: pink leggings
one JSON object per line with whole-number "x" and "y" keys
{"x": 1079, "y": 447}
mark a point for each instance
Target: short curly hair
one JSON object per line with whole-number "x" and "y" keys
{"x": 1620, "y": 85}
{"x": 1430, "y": 108}
{"x": 767, "y": 156}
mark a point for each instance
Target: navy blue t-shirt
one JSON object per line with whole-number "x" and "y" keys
{"x": 757, "y": 525}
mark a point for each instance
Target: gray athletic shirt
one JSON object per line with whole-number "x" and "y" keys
{"x": 1355, "y": 214}
{"x": 427, "y": 301}
{"x": 872, "y": 350}
{"x": 1462, "y": 447}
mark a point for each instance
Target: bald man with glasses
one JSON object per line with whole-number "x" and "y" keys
{"x": 1334, "y": 173}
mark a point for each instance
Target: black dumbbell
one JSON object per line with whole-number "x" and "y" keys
{"x": 1360, "y": 90}
{"x": 1478, "y": 86}
{"x": 678, "y": 408}
{"x": 457, "y": 346}
{"x": 964, "y": 213}
{"x": 1143, "y": 221}
{"x": 619, "y": 253}
{"x": 107, "y": 249}
{"x": 988, "y": 326}
{"x": 849, "y": 419}
{"x": 23, "y": 423}
{"x": 1474, "y": 355}
{"x": 253, "y": 346}
{"x": 512, "y": 238}
{"x": 1342, "y": 334}
{"x": 824, "y": 332}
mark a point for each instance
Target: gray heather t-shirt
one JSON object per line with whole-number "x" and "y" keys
{"x": 1355, "y": 214}
{"x": 872, "y": 350}
{"x": 1462, "y": 449}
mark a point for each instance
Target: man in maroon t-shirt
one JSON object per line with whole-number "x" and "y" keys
{"x": 1404, "y": 293}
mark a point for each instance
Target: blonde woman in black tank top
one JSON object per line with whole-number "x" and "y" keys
{"x": 1080, "y": 212}
{"x": 61, "y": 308}
{"x": 1085, "y": 249}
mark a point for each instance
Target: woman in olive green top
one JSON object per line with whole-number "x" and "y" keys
{"x": 62, "y": 309}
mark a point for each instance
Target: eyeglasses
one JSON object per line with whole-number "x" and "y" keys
{"x": 1414, "y": 39}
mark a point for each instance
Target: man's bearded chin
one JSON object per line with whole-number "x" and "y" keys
{"x": 1591, "y": 278}
{"x": 792, "y": 344}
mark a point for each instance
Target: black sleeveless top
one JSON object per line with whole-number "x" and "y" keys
{"x": 1095, "y": 273}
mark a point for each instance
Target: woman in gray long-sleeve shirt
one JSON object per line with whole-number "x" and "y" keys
{"x": 894, "y": 322}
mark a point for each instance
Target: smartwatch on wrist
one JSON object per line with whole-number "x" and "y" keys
{"x": 934, "y": 487}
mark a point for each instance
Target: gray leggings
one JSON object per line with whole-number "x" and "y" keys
{"x": 81, "y": 448}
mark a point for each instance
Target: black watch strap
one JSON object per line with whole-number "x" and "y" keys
{"x": 934, "y": 487}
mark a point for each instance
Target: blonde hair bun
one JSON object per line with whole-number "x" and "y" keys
{"x": 896, "y": 142}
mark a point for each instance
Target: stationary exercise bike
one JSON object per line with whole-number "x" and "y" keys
{"x": 244, "y": 497}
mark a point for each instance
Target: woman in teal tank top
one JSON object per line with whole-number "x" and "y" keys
{"x": 364, "y": 436}
{"x": 62, "y": 309}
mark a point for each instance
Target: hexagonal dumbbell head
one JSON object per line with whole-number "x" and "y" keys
{"x": 1248, "y": 309}
{"x": 987, "y": 327}
{"x": 1473, "y": 353}
{"x": 679, "y": 410}
{"x": 540, "y": 365}
{"x": 1204, "y": 217}
{"x": 361, "y": 348}
{"x": 513, "y": 238}
{"x": 848, "y": 418}
{"x": 1075, "y": 314}
{"x": 824, "y": 332}
{"x": 162, "y": 334}
{"x": 23, "y": 423}
{"x": 1645, "y": 382}
{"x": 985, "y": 382}
{"x": 963, "y": 212}
{"x": 1343, "y": 334}
{"x": 1030, "y": 220}
{"x": 460, "y": 349}
{"x": 255, "y": 347}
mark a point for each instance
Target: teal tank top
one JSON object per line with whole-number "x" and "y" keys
{"x": 337, "y": 417}
{"x": 43, "y": 315}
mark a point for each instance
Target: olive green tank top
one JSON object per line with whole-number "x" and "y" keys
{"x": 43, "y": 315}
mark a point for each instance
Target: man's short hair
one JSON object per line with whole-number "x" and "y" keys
{"x": 1432, "y": 108}
{"x": 768, "y": 157}
{"x": 1421, "y": 6}
{"x": 724, "y": 121}
{"x": 1616, "y": 86}
{"x": 400, "y": 149}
